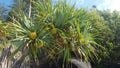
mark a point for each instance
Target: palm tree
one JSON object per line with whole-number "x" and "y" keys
{"x": 55, "y": 31}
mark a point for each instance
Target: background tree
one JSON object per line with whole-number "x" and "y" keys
{"x": 113, "y": 22}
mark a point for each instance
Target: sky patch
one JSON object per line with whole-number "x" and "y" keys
{"x": 87, "y": 4}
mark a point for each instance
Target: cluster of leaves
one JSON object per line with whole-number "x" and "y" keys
{"x": 55, "y": 31}
{"x": 112, "y": 20}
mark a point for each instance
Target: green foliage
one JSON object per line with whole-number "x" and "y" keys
{"x": 113, "y": 22}
{"x": 101, "y": 31}
{"x": 56, "y": 31}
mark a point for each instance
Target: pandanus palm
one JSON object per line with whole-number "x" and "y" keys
{"x": 55, "y": 30}
{"x": 70, "y": 30}
{"x": 30, "y": 34}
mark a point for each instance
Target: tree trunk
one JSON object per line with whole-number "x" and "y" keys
{"x": 81, "y": 64}
{"x": 5, "y": 62}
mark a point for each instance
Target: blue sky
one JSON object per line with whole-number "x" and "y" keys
{"x": 6, "y": 3}
{"x": 101, "y": 4}
{"x": 85, "y": 3}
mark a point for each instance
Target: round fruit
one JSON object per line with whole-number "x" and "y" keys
{"x": 40, "y": 44}
{"x": 82, "y": 40}
{"x": 54, "y": 30}
{"x": 32, "y": 35}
